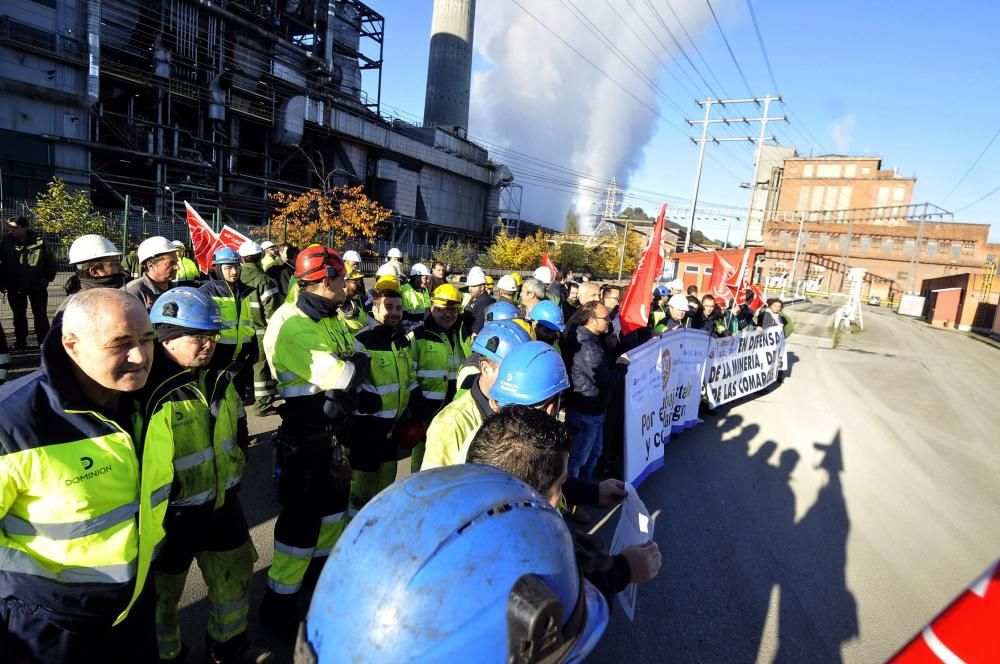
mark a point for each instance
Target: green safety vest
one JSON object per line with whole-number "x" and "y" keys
{"x": 187, "y": 270}
{"x": 85, "y": 510}
{"x": 415, "y": 301}
{"x": 238, "y": 327}
{"x": 269, "y": 261}
{"x": 305, "y": 355}
{"x": 449, "y": 432}
{"x": 207, "y": 459}
{"x": 292, "y": 296}
{"x": 437, "y": 362}
{"x": 659, "y": 317}
{"x": 392, "y": 375}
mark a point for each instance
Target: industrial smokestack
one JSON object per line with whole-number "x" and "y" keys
{"x": 449, "y": 67}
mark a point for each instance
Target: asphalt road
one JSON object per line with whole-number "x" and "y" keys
{"x": 830, "y": 519}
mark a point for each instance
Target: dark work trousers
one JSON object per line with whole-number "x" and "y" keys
{"x": 39, "y": 300}
{"x": 28, "y": 635}
{"x": 4, "y": 357}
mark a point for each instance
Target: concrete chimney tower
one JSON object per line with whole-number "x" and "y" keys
{"x": 449, "y": 67}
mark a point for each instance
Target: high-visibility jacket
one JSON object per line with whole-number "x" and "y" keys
{"x": 353, "y": 314}
{"x": 438, "y": 354}
{"x": 416, "y": 301}
{"x": 658, "y": 320}
{"x": 187, "y": 270}
{"x": 292, "y": 296}
{"x": 81, "y": 504}
{"x": 269, "y": 261}
{"x": 393, "y": 377}
{"x": 306, "y": 356}
{"x": 452, "y": 429}
{"x": 203, "y": 416}
{"x": 234, "y": 304}
{"x": 264, "y": 299}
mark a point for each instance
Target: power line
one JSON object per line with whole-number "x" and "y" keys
{"x": 730, "y": 48}
{"x": 978, "y": 200}
{"x": 695, "y": 47}
{"x": 760, "y": 40}
{"x": 969, "y": 170}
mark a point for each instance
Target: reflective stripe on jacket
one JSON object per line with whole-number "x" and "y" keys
{"x": 438, "y": 356}
{"x": 393, "y": 371}
{"x": 415, "y": 301}
{"x": 187, "y": 270}
{"x": 81, "y": 513}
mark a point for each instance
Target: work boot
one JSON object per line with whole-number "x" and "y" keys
{"x": 577, "y": 513}
{"x": 279, "y": 613}
{"x": 237, "y": 650}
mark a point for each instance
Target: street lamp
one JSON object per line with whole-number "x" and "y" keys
{"x": 172, "y": 194}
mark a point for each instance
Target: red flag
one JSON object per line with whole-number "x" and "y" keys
{"x": 204, "y": 241}
{"x": 635, "y": 307}
{"x": 232, "y": 238}
{"x": 965, "y": 632}
{"x": 722, "y": 274}
{"x": 547, "y": 262}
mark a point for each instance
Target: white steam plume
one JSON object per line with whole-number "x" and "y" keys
{"x": 538, "y": 97}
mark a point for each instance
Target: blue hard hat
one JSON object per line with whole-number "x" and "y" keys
{"x": 661, "y": 291}
{"x": 443, "y": 590}
{"x": 531, "y": 374}
{"x": 226, "y": 256}
{"x": 502, "y": 311}
{"x": 187, "y": 307}
{"x": 498, "y": 338}
{"x": 549, "y": 314}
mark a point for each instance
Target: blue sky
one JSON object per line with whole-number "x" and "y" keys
{"x": 914, "y": 83}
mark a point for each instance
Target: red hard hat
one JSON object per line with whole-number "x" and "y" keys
{"x": 316, "y": 263}
{"x": 410, "y": 433}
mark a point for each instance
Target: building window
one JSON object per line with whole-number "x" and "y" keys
{"x": 807, "y": 171}
{"x": 886, "y": 245}
{"x": 883, "y": 194}
{"x": 785, "y": 235}
{"x": 824, "y": 241}
{"x": 932, "y": 247}
{"x": 908, "y": 246}
{"x": 902, "y": 276}
{"x": 850, "y": 170}
{"x": 898, "y": 194}
{"x": 969, "y": 248}
{"x": 865, "y": 170}
{"x": 708, "y": 269}
{"x": 956, "y": 251}
{"x": 844, "y": 243}
{"x": 690, "y": 268}
{"x": 828, "y": 171}
{"x": 866, "y": 243}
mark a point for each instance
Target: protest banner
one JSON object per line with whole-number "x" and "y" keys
{"x": 204, "y": 241}
{"x": 743, "y": 364}
{"x": 232, "y": 238}
{"x": 635, "y": 526}
{"x": 662, "y": 393}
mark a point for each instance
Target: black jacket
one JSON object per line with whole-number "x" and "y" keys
{"x": 590, "y": 374}
{"x": 477, "y": 311}
{"x": 27, "y": 266}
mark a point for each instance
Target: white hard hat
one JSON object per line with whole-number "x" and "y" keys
{"x": 154, "y": 246}
{"x": 266, "y": 244}
{"x": 543, "y": 274}
{"x": 678, "y": 302}
{"x": 395, "y": 253}
{"x": 352, "y": 256}
{"x": 386, "y": 269}
{"x": 250, "y": 248}
{"x": 476, "y": 277}
{"x": 676, "y": 285}
{"x": 178, "y": 244}
{"x": 91, "y": 247}
{"x": 507, "y": 283}
{"x": 419, "y": 269}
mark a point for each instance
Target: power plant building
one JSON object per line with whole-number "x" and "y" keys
{"x": 223, "y": 103}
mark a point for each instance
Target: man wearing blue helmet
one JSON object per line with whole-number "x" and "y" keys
{"x": 452, "y": 427}
{"x": 394, "y": 594}
{"x": 199, "y": 414}
{"x": 237, "y": 349}
{"x": 547, "y": 322}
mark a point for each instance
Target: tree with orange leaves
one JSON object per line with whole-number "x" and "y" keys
{"x": 329, "y": 218}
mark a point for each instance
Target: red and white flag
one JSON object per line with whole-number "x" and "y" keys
{"x": 204, "y": 241}
{"x": 723, "y": 274}
{"x": 232, "y": 238}
{"x": 635, "y": 306}
{"x": 967, "y": 631}
{"x": 547, "y": 262}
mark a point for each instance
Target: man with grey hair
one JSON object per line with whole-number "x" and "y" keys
{"x": 79, "y": 527}
{"x": 590, "y": 291}
{"x": 532, "y": 292}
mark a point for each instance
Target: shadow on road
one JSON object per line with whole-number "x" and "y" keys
{"x": 737, "y": 566}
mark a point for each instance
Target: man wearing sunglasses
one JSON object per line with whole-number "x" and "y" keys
{"x": 197, "y": 411}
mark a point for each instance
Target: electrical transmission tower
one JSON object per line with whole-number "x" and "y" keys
{"x": 706, "y": 138}
{"x": 607, "y": 226}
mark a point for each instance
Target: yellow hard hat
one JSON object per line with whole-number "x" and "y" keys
{"x": 525, "y": 325}
{"x": 353, "y": 275}
{"x": 446, "y": 295}
{"x": 387, "y": 282}
{"x": 489, "y": 280}
{"x": 517, "y": 278}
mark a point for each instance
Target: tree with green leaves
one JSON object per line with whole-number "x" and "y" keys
{"x": 455, "y": 253}
{"x": 67, "y": 212}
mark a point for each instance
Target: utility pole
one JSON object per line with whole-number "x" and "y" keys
{"x": 705, "y": 138}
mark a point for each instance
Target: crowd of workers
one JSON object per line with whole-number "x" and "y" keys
{"x": 121, "y": 458}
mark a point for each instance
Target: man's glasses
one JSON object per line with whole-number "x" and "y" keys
{"x": 203, "y": 339}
